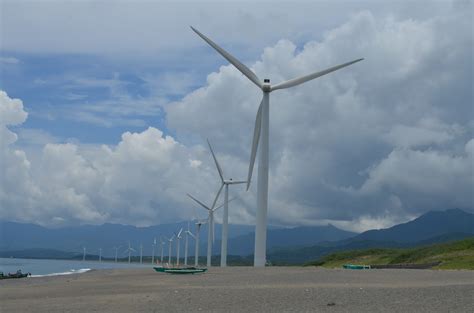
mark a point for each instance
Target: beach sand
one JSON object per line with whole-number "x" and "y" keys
{"x": 244, "y": 289}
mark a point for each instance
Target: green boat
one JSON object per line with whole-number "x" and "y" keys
{"x": 356, "y": 267}
{"x": 180, "y": 270}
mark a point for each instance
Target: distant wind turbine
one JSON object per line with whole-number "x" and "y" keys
{"x": 210, "y": 219}
{"x": 170, "y": 240}
{"x": 187, "y": 233}
{"x": 162, "y": 244}
{"x": 100, "y": 255}
{"x": 83, "y": 253}
{"x": 153, "y": 251}
{"x": 261, "y": 133}
{"x": 196, "y": 248}
{"x": 141, "y": 253}
{"x": 129, "y": 250}
{"x": 225, "y": 216}
{"x": 178, "y": 239}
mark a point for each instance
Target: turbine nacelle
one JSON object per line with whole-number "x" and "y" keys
{"x": 266, "y": 87}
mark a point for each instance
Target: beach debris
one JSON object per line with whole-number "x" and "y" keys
{"x": 331, "y": 304}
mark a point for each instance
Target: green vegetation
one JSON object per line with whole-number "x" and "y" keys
{"x": 452, "y": 255}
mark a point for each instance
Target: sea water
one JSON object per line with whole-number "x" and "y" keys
{"x": 40, "y": 267}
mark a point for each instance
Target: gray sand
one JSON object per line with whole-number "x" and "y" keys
{"x": 244, "y": 289}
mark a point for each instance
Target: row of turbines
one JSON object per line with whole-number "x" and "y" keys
{"x": 260, "y": 144}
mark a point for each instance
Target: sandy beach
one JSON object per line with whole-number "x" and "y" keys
{"x": 244, "y": 289}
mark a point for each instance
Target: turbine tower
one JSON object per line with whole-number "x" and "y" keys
{"x": 100, "y": 255}
{"x": 178, "y": 238}
{"x": 225, "y": 216}
{"x": 187, "y": 233}
{"x": 196, "y": 248}
{"x": 162, "y": 244}
{"x": 116, "y": 253}
{"x": 170, "y": 240}
{"x": 153, "y": 251}
{"x": 141, "y": 253}
{"x": 83, "y": 253}
{"x": 261, "y": 133}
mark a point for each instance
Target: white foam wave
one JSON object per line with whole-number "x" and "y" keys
{"x": 79, "y": 271}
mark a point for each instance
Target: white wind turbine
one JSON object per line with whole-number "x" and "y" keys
{"x": 261, "y": 133}
{"x": 100, "y": 255}
{"x": 225, "y": 216}
{"x": 83, "y": 253}
{"x": 178, "y": 238}
{"x": 162, "y": 244}
{"x": 187, "y": 233}
{"x": 141, "y": 253}
{"x": 170, "y": 240}
{"x": 129, "y": 250}
{"x": 116, "y": 253}
{"x": 196, "y": 238}
{"x": 153, "y": 251}
{"x": 210, "y": 232}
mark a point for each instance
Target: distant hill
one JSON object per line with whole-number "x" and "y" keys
{"x": 452, "y": 255}
{"x": 289, "y": 237}
{"x": 20, "y": 236}
{"x": 429, "y": 225}
{"x": 432, "y": 227}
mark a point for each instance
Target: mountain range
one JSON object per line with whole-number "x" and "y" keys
{"x": 284, "y": 245}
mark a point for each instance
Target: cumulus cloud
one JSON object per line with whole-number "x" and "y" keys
{"x": 371, "y": 145}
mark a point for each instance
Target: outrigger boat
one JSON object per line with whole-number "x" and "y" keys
{"x": 18, "y": 274}
{"x": 180, "y": 270}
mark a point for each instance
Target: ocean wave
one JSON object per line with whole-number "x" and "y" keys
{"x": 79, "y": 271}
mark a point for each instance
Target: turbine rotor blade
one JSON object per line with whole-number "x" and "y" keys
{"x": 237, "y": 182}
{"x": 179, "y": 234}
{"x": 220, "y": 206}
{"x": 219, "y": 169}
{"x": 303, "y": 79}
{"x": 217, "y": 197}
{"x": 256, "y": 138}
{"x": 199, "y": 202}
{"x": 241, "y": 67}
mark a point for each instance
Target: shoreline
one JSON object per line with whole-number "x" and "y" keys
{"x": 244, "y": 289}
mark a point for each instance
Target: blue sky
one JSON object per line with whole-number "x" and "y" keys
{"x": 107, "y": 106}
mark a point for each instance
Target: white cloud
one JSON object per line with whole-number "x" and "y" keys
{"x": 368, "y": 146}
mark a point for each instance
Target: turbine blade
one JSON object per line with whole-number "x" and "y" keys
{"x": 220, "y": 206}
{"x": 256, "y": 138}
{"x": 219, "y": 169}
{"x": 179, "y": 234}
{"x": 199, "y": 202}
{"x": 217, "y": 197}
{"x": 237, "y": 182}
{"x": 241, "y": 67}
{"x": 303, "y": 79}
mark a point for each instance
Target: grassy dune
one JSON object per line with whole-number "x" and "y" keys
{"x": 452, "y": 255}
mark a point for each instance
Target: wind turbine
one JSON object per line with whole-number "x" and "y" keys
{"x": 153, "y": 251}
{"x": 170, "y": 240}
{"x": 210, "y": 219}
{"x": 100, "y": 255}
{"x": 83, "y": 253}
{"x": 162, "y": 243}
{"x": 196, "y": 248}
{"x": 129, "y": 250}
{"x": 178, "y": 238}
{"x": 261, "y": 133}
{"x": 187, "y": 233}
{"x": 116, "y": 253}
{"x": 141, "y": 253}
{"x": 210, "y": 231}
{"x": 225, "y": 216}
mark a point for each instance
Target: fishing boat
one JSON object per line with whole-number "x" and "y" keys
{"x": 18, "y": 274}
{"x": 356, "y": 267}
{"x": 180, "y": 270}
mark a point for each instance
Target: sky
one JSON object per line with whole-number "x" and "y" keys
{"x": 105, "y": 108}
